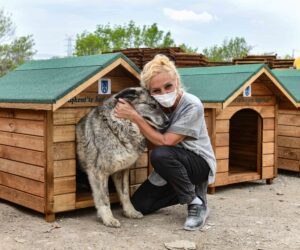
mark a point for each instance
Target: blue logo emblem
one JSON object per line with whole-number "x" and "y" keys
{"x": 104, "y": 86}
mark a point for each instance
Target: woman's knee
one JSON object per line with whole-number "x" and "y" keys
{"x": 159, "y": 154}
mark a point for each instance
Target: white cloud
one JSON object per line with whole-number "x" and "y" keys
{"x": 188, "y": 15}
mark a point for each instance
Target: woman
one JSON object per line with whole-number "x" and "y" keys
{"x": 183, "y": 159}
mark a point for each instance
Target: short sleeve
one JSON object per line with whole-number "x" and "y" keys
{"x": 188, "y": 121}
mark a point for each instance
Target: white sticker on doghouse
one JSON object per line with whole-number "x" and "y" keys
{"x": 104, "y": 86}
{"x": 247, "y": 91}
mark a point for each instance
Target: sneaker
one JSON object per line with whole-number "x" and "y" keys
{"x": 197, "y": 215}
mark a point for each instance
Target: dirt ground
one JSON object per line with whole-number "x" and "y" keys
{"x": 243, "y": 216}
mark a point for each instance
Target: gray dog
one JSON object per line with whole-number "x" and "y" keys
{"x": 108, "y": 146}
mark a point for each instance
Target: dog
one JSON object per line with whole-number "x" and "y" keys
{"x": 108, "y": 146}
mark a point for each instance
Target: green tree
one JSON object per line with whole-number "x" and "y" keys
{"x": 234, "y": 48}
{"x": 107, "y": 38}
{"x": 13, "y": 51}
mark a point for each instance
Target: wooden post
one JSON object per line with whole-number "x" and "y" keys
{"x": 276, "y": 140}
{"x": 49, "y": 179}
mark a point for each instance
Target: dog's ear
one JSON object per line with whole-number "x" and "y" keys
{"x": 127, "y": 94}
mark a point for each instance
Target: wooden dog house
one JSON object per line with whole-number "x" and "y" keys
{"x": 40, "y": 104}
{"x": 241, "y": 104}
{"x": 289, "y": 122}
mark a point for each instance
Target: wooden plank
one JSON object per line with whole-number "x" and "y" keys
{"x": 264, "y": 111}
{"x": 34, "y": 106}
{"x": 268, "y": 160}
{"x": 64, "y": 185}
{"x": 288, "y": 119}
{"x": 222, "y": 126}
{"x": 23, "y": 155}
{"x": 211, "y": 105}
{"x": 222, "y": 165}
{"x": 268, "y": 136}
{"x": 261, "y": 150}
{"x": 64, "y": 168}
{"x": 260, "y": 89}
{"x": 22, "y": 184}
{"x": 84, "y": 200}
{"x": 22, "y": 169}
{"x": 64, "y": 202}
{"x": 221, "y": 179}
{"x": 142, "y": 161}
{"x": 64, "y": 133}
{"x": 291, "y": 131}
{"x": 23, "y": 114}
{"x": 243, "y": 177}
{"x": 288, "y": 142}
{"x": 222, "y": 153}
{"x": 268, "y": 124}
{"x": 118, "y": 83}
{"x": 138, "y": 176}
{"x": 68, "y": 116}
{"x": 268, "y": 172}
{"x": 289, "y": 111}
{"x": 254, "y": 101}
{"x": 207, "y": 112}
{"x": 222, "y": 139}
{"x": 212, "y": 131}
{"x": 49, "y": 187}
{"x": 276, "y": 141}
{"x": 289, "y": 153}
{"x": 22, "y": 141}
{"x": 287, "y": 164}
{"x": 268, "y": 148}
{"x": 64, "y": 151}
{"x": 27, "y": 200}
{"x": 86, "y": 99}
{"x": 22, "y": 126}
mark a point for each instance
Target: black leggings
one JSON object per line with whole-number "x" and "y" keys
{"x": 182, "y": 169}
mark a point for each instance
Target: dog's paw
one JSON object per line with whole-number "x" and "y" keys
{"x": 133, "y": 214}
{"x": 112, "y": 222}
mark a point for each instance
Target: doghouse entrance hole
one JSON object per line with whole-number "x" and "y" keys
{"x": 84, "y": 192}
{"x": 245, "y": 142}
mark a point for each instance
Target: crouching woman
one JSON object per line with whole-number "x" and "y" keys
{"x": 183, "y": 158}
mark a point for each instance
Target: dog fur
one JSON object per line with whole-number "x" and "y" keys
{"x": 108, "y": 146}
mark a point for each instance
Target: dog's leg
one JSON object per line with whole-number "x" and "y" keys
{"x": 121, "y": 181}
{"x": 99, "y": 185}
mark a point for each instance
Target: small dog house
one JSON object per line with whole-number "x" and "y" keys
{"x": 241, "y": 104}
{"x": 289, "y": 122}
{"x": 40, "y": 104}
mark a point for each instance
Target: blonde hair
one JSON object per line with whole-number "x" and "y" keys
{"x": 160, "y": 63}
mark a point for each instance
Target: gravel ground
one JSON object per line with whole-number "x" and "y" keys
{"x": 243, "y": 216}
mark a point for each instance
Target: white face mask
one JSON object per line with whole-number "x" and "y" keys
{"x": 166, "y": 100}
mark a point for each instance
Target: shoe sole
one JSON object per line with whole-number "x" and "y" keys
{"x": 200, "y": 226}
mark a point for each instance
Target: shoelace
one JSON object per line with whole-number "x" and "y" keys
{"x": 193, "y": 210}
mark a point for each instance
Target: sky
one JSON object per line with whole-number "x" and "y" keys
{"x": 270, "y": 26}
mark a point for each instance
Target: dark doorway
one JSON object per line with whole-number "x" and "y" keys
{"x": 245, "y": 142}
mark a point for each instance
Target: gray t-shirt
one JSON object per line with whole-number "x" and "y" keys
{"x": 188, "y": 119}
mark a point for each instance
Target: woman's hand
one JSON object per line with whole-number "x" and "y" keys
{"x": 124, "y": 110}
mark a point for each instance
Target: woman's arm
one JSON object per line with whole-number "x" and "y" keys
{"x": 124, "y": 110}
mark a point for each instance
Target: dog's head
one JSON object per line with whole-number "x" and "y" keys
{"x": 145, "y": 105}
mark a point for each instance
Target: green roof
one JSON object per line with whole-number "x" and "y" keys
{"x": 46, "y": 81}
{"x": 290, "y": 80}
{"x": 217, "y": 84}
